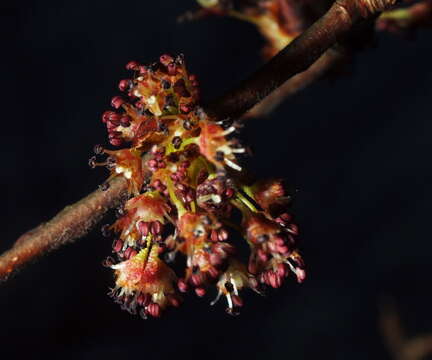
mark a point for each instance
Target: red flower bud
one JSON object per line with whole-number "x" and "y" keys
{"x": 117, "y": 101}
{"x": 132, "y": 65}
{"x": 116, "y": 141}
{"x": 182, "y": 285}
{"x": 124, "y": 84}
{"x": 166, "y": 59}
{"x": 200, "y": 291}
{"x": 154, "y": 310}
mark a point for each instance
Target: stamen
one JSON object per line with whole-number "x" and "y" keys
{"x": 228, "y": 131}
{"x": 232, "y": 165}
{"x": 216, "y": 299}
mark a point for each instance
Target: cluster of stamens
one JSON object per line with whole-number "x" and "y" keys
{"x": 189, "y": 204}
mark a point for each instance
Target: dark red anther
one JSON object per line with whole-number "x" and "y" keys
{"x": 182, "y": 285}
{"x": 172, "y": 68}
{"x": 107, "y": 115}
{"x": 286, "y": 217}
{"x": 108, "y": 262}
{"x": 132, "y": 65}
{"x": 282, "y": 270}
{"x": 174, "y": 301}
{"x": 301, "y": 275}
{"x": 190, "y": 196}
{"x": 154, "y": 310}
{"x": 124, "y": 84}
{"x": 114, "y": 134}
{"x": 222, "y": 235}
{"x": 127, "y": 253}
{"x": 117, "y": 245}
{"x": 165, "y": 59}
{"x": 293, "y": 229}
{"x": 125, "y": 121}
{"x": 214, "y": 236}
{"x": 143, "y": 70}
{"x": 114, "y": 117}
{"x": 253, "y": 282}
{"x": 200, "y": 291}
{"x": 213, "y": 272}
{"x": 117, "y": 101}
{"x": 263, "y": 278}
{"x": 185, "y": 108}
{"x": 116, "y": 141}
{"x": 185, "y": 164}
{"x": 152, "y": 163}
{"x": 237, "y": 300}
{"x": 176, "y": 141}
{"x": 279, "y": 240}
{"x": 196, "y": 279}
{"x": 252, "y": 267}
{"x": 156, "y": 227}
{"x": 180, "y": 187}
{"x": 132, "y": 253}
{"x": 262, "y": 255}
{"x": 114, "y": 120}
{"x": 272, "y": 247}
{"x": 111, "y": 126}
{"x": 284, "y": 250}
{"x": 143, "y": 228}
{"x": 215, "y": 259}
{"x": 181, "y": 175}
{"x": 229, "y": 193}
{"x": 274, "y": 280}
{"x": 143, "y": 299}
{"x": 187, "y": 125}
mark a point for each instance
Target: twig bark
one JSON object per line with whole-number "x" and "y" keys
{"x": 76, "y": 220}
{"x": 71, "y": 223}
{"x": 298, "y": 55}
{"x": 317, "y": 70}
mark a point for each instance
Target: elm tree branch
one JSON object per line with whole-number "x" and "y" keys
{"x": 78, "y": 219}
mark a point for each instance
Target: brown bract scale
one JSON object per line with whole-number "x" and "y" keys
{"x": 187, "y": 195}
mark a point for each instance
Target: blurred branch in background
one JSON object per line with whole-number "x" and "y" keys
{"x": 399, "y": 346}
{"x": 334, "y": 26}
{"x": 281, "y": 21}
{"x": 406, "y": 19}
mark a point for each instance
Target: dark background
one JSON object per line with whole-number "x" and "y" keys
{"x": 357, "y": 149}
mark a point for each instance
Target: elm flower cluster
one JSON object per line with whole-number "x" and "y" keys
{"x": 189, "y": 207}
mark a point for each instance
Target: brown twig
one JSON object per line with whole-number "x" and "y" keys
{"x": 71, "y": 223}
{"x": 76, "y": 220}
{"x": 400, "y": 347}
{"x": 298, "y": 55}
{"x": 317, "y": 70}
{"x": 408, "y": 18}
